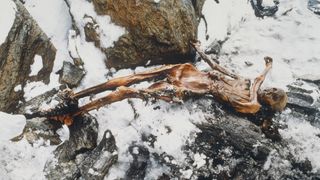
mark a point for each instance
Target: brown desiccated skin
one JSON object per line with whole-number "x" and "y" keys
{"x": 159, "y": 32}
{"x": 24, "y": 41}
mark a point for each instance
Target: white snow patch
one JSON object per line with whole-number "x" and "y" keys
{"x": 20, "y": 160}
{"x": 33, "y": 89}
{"x": 304, "y": 141}
{"x": 199, "y": 160}
{"x": 11, "y": 125}
{"x": 222, "y": 18}
{"x": 7, "y": 16}
{"x": 54, "y": 19}
{"x": 64, "y": 133}
{"x": 17, "y": 88}
{"x": 36, "y": 66}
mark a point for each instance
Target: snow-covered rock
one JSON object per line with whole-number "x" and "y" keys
{"x": 24, "y": 42}
{"x": 159, "y": 32}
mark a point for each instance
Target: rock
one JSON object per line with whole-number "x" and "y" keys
{"x": 214, "y": 47}
{"x": 138, "y": 167}
{"x": 34, "y": 104}
{"x": 314, "y": 6}
{"x": 315, "y": 79}
{"x": 261, "y": 10}
{"x": 40, "y": 128}
{"x": 304, "y": 99}
{"x": 230, "y": 146}
{"x": 83, "y": 138}
{"x": 91, "y": 31}
{"x": 156, "y": 31}
{"x": 98, "y": 162}
{"x": 24, "y": 41}
{"x": 71, "y": 74}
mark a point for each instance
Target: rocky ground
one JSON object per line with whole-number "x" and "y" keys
{"x": 82, "y": 43}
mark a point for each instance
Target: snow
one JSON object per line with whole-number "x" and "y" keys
{"x": 17, "y": 88}
{"x": 291, "y": 40}
{"x": 304, "y": 140}
{"x": 11, "y": 125}
{"x": 20, "y": 160}
{"x": 7, "y": 16}
{"x": 199, "y": 160}
{"x": 108, "y": 32}
{"x": 36, "y": 66}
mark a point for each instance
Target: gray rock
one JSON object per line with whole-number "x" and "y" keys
{"x": 71, "y": 74}
{"x": 261, "y": 11}
{"x": 304, "y": 99}
{"x": 314, "y": 6}
{"x": 159, "y": 32}
{"x": 138, "y": 166}
{"x": 214, "y": 48}
{"x": 311, "y": 78}
{"x": 24, "y": 41}
{"x": 40, "y": 128}
{"x": 83, "y": 138}
{"x": 98, "y": 162}
{"x": 34, "y": 104}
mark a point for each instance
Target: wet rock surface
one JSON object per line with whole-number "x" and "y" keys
{"x": 156, "y": 31}
{"x": 17, "y": 53}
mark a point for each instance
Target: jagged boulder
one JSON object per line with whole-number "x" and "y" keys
{"x": 24, "y": 41}
{"x": 83, "y": 138}
{"x": 314, "y": 6}
{"x": 156, "y": 31}
{"x": 261, "y": 10}
{"x": 71, "y": 75}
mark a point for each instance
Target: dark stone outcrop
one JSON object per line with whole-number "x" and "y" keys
{"x": 138, "y": 167}
{"x": 261, "y": 11}
{"x": 314, "y": 6}
{"x": 24, "y": 41}
{"x": 40, "y": 128}
{"x": 156, "y": 31}
{"x": 98, "y": 162}
{"x": 83, "y": 138}
{"x": 305, "y": 102}
{"x": 230, "y": 146}
{"x": 71, "y": 75}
